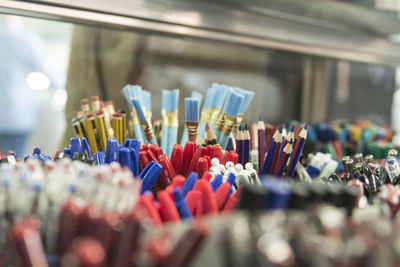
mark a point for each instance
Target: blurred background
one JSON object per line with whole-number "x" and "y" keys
{"x": 311, "y": 61}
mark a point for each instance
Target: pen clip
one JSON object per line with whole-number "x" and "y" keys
{"x": 86, "y": 147}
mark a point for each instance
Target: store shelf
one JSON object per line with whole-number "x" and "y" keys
{"x": 324, "y": 28}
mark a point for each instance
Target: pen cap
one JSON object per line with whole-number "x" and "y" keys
{"x": 278, "y": 193}
{"x": 252, "y": 198}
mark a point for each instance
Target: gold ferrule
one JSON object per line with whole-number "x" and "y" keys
{"x": 205, "y": 115}
{"x": 220, "y": 123}
{"x": 214, "y": 115}
{"x": 173, "y": 118}
{"x": 238, "y": 122}
{"x": 134, "y": 116}
{"x": 147, "y": 130}
{"x": 191, "y": 127}
{"x": 228, "y": 126}
{"x": 164, "y": 118}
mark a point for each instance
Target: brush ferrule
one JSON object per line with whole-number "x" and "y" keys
{"x": 148, "y": 131}
{"x": 191, "y": 127}
{"x": 220, "y": 123}
{"x": 205, "y": 115}
{"x": 214, "y": 115}
{"x": 134, "y": 116}
{"x": 164, "y": 118}
{"x": 229, "y": 123}
{"x": 238, "y": 122}
{"x": 169, "y": 118}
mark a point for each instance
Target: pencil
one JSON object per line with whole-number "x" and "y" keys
{"x": 239, "y": 144}
{"x": 246, "y": 145}
{"x": 261, "y": 142}
{"x": 295, "y": 156}
{"x": 210, "y": 136}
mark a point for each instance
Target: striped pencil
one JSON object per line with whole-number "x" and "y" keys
{"x": 268, "y": 160}
{"x": 280, "y": 167}
{"x": 246, "y": 145}
{"x": 261, "y": 142}
{"x": 298, "y": 148}
{"x": 239, "y": 144}
{"x": 277, "y": 150}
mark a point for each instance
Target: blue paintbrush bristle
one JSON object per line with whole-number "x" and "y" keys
{"x": 232, "y": 106}
{"x": 164, "y": 99}
{"x": 191, "y": 109}
{"x": 209, "y": 97}
{"x": 174, "y": 99}
{"x": 146, "y": 95}
{"x": 139, "y": 110}
{"x": 248, "y": 96}
{"x": 219, "y": 96}
{"x": 198, "y": 96}
{"x": 133, "y": 91}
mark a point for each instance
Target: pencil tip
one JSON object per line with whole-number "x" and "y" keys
{"x": 207, "y": 126}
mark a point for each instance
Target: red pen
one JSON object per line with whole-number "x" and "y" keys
{"x": 143, "y": 160}
{"x": 87, "y": 216}
{"x": 209, "y": 204}
{"x": 202, "y": 166}
{"x": 231, "y": 156}
{"x": 207, "y": 176}
{"x": 201, "y": 151}
{"x": 178, "y": 181}
{"x": 157, "y": 151}
{"x": 188, "y": 152}
{"x": 176, "y": 158}
{"x": 26, "y": 239}
{"x": 216, "y": 152}
{"x": 68, "y": 225}
{"x": 186, "y": 248}
{"x": 167, "y": 173}
{"x": 126, "y": 242}
{"x": 151, "y": 156}
{"x": 231, "y": 204}
{"x": 145, "y": 208}
{"x": 106, "y": 225}
{"x": 221, "y": 195}
{"x": 167, "y": 209}
{"x": 193, "y": 198}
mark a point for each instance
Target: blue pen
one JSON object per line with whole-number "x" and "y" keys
{"x": 188, "y": 185}
{"x": 67, "y": 151}
{"x": 146, "y": 169}
{"x": 181, "y": 205}
{"x": 75, "y": 146}
{"x": 86, "y": 147}
{"x": 99, "y": 158}
{"x": 111, "y": 150}
{"x": 216, "y": 182}
{"x": 36, "y": 150}
{"x": 135, "y": 161}
{"x": 151, "y": 177}
{"x": 125, "y": 158}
